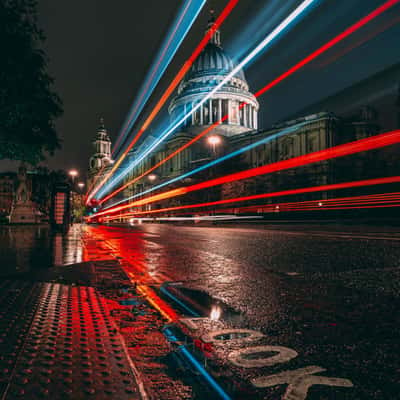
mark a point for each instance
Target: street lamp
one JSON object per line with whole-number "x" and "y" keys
{"x": 152, "y": 177}
{"x": 81, "y": 185}
{"x": 214, "y": 140}
{"x": 73, "y": 173}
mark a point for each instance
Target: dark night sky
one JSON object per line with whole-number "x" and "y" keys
{"x": 100, "y": 50}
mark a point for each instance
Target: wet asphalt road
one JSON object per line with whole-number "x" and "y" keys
{"x": 329, "y": 292}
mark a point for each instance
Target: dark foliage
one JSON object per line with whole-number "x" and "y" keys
{"x": 28, "y": 104}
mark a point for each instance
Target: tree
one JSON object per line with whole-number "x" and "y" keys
{"x": 28, "y": 104}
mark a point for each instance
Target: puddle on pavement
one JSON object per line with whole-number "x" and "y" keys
{"x": 197, "y": 303}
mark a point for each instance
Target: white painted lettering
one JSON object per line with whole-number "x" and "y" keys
{"x": 299, "y": 381}
{"x": 232, "y": 335}
{"x": 246, "y": 357}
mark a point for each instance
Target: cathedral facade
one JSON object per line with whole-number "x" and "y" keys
{"x": 240, "y": 128}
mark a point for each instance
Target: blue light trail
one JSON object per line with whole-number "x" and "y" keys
{"x": 181, "y": 303}
{"x": 178, "y": 31}
{"x": 197, "y": 365}
{"x": 214, "y": 162}
{"x": 289, "y": 21}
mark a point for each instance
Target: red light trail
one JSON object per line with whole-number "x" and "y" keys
{"x": 382, "y": 28}
{"x": 366, "y": 201}
{"x": 347, "y": 32}
{"x": 370, "y": 143}
{"x": 313, "y": 189}
{"x": 172, "y": 86}
{"x": 164, "y": 160}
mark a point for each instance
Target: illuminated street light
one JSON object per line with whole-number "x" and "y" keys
{"x": 152, "y": 177}
{"x": 81, "y": 185}
{"x": 73, "y": 173}
{"x": 214, "y": 140}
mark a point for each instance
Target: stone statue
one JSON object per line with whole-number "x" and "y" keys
{"x": 23, "y": 211}
{"x": 22, "y": 194}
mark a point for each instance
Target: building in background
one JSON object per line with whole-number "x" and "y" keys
{"x": 101, "y": 160}
{"x": 7, "y": 193}
{"x": 311, "y": 132}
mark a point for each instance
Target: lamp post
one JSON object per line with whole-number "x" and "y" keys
{"x": 214, "y": 141}
{"x": 152, "y": 177}
{"x": 81, "y": 185}
{"x": 73, "y": 173}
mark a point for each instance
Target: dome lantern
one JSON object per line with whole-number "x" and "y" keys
{"x": 216, "y": 37}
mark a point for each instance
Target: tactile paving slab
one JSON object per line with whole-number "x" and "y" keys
{"x": 18, "y": 302}
{"x": 64, "y": 345}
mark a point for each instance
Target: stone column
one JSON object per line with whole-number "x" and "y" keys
{"x": 219, "y": 109}
{"x": 201, "y": 114}
{"x": 193, "y": 115}
{"x": 255, "y": 122}
{"x": 245, "y": 115}
{"x": 210, "y": 111}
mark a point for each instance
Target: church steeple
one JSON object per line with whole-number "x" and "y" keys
{"x": 216, "y": 37}
{"x": 102, "y": 148}
{"x": 101, "y": 126}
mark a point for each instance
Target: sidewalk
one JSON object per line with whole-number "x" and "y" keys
{"x": 82, "y": 331}
{"x": 59, "y": 341}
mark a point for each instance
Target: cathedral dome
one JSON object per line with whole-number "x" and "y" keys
{"x": 209, "y": 70}
{"x": 213, "y": 60}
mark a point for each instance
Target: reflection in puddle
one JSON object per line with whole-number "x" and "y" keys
{"x": 215, "y": 313}
{"x": 27, "y": 247}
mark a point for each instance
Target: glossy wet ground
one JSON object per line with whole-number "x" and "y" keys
{"x": 329, "y": 292}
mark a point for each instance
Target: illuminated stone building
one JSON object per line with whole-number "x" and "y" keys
{"x": 310, "y": 133}
{"x": 101, "y": 160}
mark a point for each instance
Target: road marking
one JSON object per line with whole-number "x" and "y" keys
{"x": 299, "y": 381}
{"x": 232, "y": 335}
{"x": 240, "y": 358}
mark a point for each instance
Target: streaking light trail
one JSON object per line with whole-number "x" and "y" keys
{"x": 197, "y": 218}
{"x": 289, "y": 192}
{"x": 282, "y": 27}
{"x": 367, "y": 201}
{"x": 363, "y": 21}
{"x": 215, "y": 162}
{"x": 189, "y": 11}
{"x": 172, "y": 86}
{"x": 353, "y": 28}
{"x": 164, "y": 160}
{"x": 370, "y": 143}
